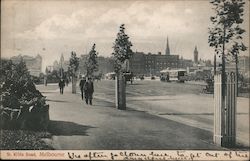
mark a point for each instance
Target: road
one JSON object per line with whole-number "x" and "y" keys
{"x": 159, "y": 116}
{"x": 184, "y": 103}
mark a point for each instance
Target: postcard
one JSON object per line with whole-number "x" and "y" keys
{"x": 125, "y": 80}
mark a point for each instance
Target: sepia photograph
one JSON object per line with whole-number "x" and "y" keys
{"x": 125, "y": 80}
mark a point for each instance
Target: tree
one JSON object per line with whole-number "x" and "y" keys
{"x": 226, "y": 34}
{"x": 122, "y": 52}
{"x": 73, "y": 67}
{"x": 73, "y": 62}
{"x": 122, "y": 49}
{"x": 91, "y": 63}
{"x": 226, "y": 38}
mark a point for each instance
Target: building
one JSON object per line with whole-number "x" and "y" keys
{"x": 243, "y": 66}
{"x": 196, "y": 55}
{"x": 152, "y": 64}
{"x": 184, "y": 63}
{"x": 105, "y": 64}
{"x": 55, "y": 65}
{"x": 62, "y": 64}
{"x": 138, "y": 63}
{"x": 33, "y": 64}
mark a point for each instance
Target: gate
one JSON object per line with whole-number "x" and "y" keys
{"x": 225, "y": 111}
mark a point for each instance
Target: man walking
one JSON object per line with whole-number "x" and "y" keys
{"x": 82, "y": 82}
{"x": 61, "y": 85}
{"x": 88, "y": 91}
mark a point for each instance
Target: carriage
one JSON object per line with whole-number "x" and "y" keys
{"x": 178, "y": 75}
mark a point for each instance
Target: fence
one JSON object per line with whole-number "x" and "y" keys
{"x": 225, "y": 110}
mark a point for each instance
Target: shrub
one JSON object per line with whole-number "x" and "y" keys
{"x": 22, "y": 105}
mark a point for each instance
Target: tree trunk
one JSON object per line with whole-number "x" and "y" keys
{"x": 120, "y": 92}
{"x": 223, "y": 89}
{"x": 73, "y": 85}
{"x": 214, "y": 64}
{"x": 237, "y": 74}
{"x": 73, "y": 82}
{"x": 45, "y": 80}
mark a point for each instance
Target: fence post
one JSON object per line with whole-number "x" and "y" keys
{"x": 231, "y": 102}
{"x": 218, "y": 110}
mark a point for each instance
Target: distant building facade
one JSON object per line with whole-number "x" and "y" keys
{"x": 243, "y": 66}
{"x": 105, "y": 64}
{"x": 33, "y": 64}
{"x": 152, "y": 64}
{"x": 55, "y": 65}
{"x": 62, "y": 64}
{"x": 184, "y": 63}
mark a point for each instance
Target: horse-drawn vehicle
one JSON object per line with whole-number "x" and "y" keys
{"x": 128, "y": 77}
{"x": 209, "y": 88}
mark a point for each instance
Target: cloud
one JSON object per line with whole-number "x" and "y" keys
{"x": 147, "y": 24}
{"x": 51, "y": 28}
{"x": 141, "y": 19}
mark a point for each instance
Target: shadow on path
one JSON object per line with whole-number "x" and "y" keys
{"x": 153, "y": 99}
{"x": 181, "y": 113}
{"x": 100, "y": 103}
{"x": 49, "y": 100}
{"x": 48, "y": 92}
{"x": 67, "y": 128}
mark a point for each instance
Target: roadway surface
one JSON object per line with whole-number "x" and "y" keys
{"x": 181, "y": 102}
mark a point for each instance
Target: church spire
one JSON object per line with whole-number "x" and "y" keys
{"x": 61, "y": 58}
{"x": 167, "y": 52}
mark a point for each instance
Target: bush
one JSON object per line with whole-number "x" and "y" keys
{"x": 22, "y": 105}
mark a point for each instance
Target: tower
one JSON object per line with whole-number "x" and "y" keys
{"x": 38, "y": 63}
{"x": 61, "y": 61}
{"x": 167, "y": 52}
{"x": 195, "y": 55}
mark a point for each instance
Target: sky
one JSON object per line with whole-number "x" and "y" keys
{"x": 54, "y": 27}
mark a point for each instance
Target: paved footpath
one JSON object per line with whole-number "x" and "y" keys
{"x": 77, "y": 126}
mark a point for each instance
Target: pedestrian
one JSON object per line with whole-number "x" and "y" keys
{"x": 82, "y": 82}
{"x": 67, "y": 81}
{"x": 88, "y": 91}
{"x": 61, "y": 85}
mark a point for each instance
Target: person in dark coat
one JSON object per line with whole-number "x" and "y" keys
{"x": 61, "y": 85}
{"x": 82, "y": 82}
{"x": 67, "y": 81}
{"x": 88, "y": 91}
